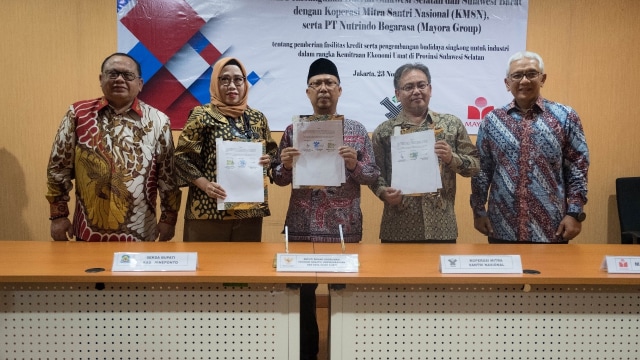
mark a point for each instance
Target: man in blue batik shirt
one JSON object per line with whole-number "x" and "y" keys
{"x": 533, "y": 164}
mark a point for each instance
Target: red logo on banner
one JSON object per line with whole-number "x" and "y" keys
{"x": 478, "y": 111}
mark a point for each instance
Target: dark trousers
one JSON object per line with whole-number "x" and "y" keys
{"x": 418, "y": 241}
{"x": 238, "y": 230}
{"x": 500, "y": 241}
{"x": 309, "y": 334}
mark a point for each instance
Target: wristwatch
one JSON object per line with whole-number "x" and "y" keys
{"x": 580, "y": 216}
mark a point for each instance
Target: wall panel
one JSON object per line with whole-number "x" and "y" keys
{"x": 53, "y": 50}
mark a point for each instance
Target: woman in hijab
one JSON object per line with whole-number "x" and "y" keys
{"x": 227, "y": 117}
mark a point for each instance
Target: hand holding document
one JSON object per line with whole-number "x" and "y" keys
{"x": 240, "y": 172}
{"x": 414, "y": 163}
{"x": 318, "y": 141}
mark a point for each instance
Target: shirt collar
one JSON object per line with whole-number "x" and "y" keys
{"x": 135, "y": 106}
{"x": 537, "y": 106}
{"x": 401, "y": 120}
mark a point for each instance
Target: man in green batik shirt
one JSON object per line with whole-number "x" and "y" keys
{"x": 427, "y": 217}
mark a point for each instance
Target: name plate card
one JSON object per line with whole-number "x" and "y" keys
{"x": 480, "y": 264}
{"x": 156, "y": 261}
{"x": 347, "y": 263}
{"x": 621, "y": 264}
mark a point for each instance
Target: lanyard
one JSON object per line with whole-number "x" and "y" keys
{"x": 248, "y": 132}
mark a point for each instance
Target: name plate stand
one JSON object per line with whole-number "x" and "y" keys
{"x": 621, "y": 264}
{"x": 347, "y": 263}
{"x": 155, "y": 261}
{"x": 480, "y": 264}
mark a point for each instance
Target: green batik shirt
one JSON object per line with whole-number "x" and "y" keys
{"x": 431, "y": 216}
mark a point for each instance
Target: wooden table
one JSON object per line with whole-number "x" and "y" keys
{"x": 399, "y": 305}
{"x": 234, "y": 306}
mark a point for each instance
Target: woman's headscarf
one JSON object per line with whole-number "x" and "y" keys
{"x": 233, "y": 111}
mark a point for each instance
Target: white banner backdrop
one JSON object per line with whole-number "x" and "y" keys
{"x": 465, "y": 44}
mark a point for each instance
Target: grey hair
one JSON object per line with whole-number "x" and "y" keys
{"x": 408, "y": 67}
{"x": 528, "y": 55}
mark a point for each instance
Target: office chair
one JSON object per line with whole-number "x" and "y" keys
{"x": 628, "y": 198}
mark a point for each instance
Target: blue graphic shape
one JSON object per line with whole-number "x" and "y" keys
{"x": 121, "y": 3}
{"x": 393, "y": 109}
{"x": 200, "y": 88}
{"x": 253, "y": 78}
{"x": 149, "y": 63}
{"x": 198, "y": 42}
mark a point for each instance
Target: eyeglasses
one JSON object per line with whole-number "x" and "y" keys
{"x": 226, "y": 80}
{"x": 128, "y": 76}
{"x": 530, "y": 75}
{"x": 410, "y": 87}
{"x": 328, "y": 83}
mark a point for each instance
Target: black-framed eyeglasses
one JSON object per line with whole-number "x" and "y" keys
{"x": 530, "y": 75}
{"x": 410, "y": 87}
{"x": 226, "y": 80}
{"x": 128, "y": 76}
{"x": 328, "y": 83}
